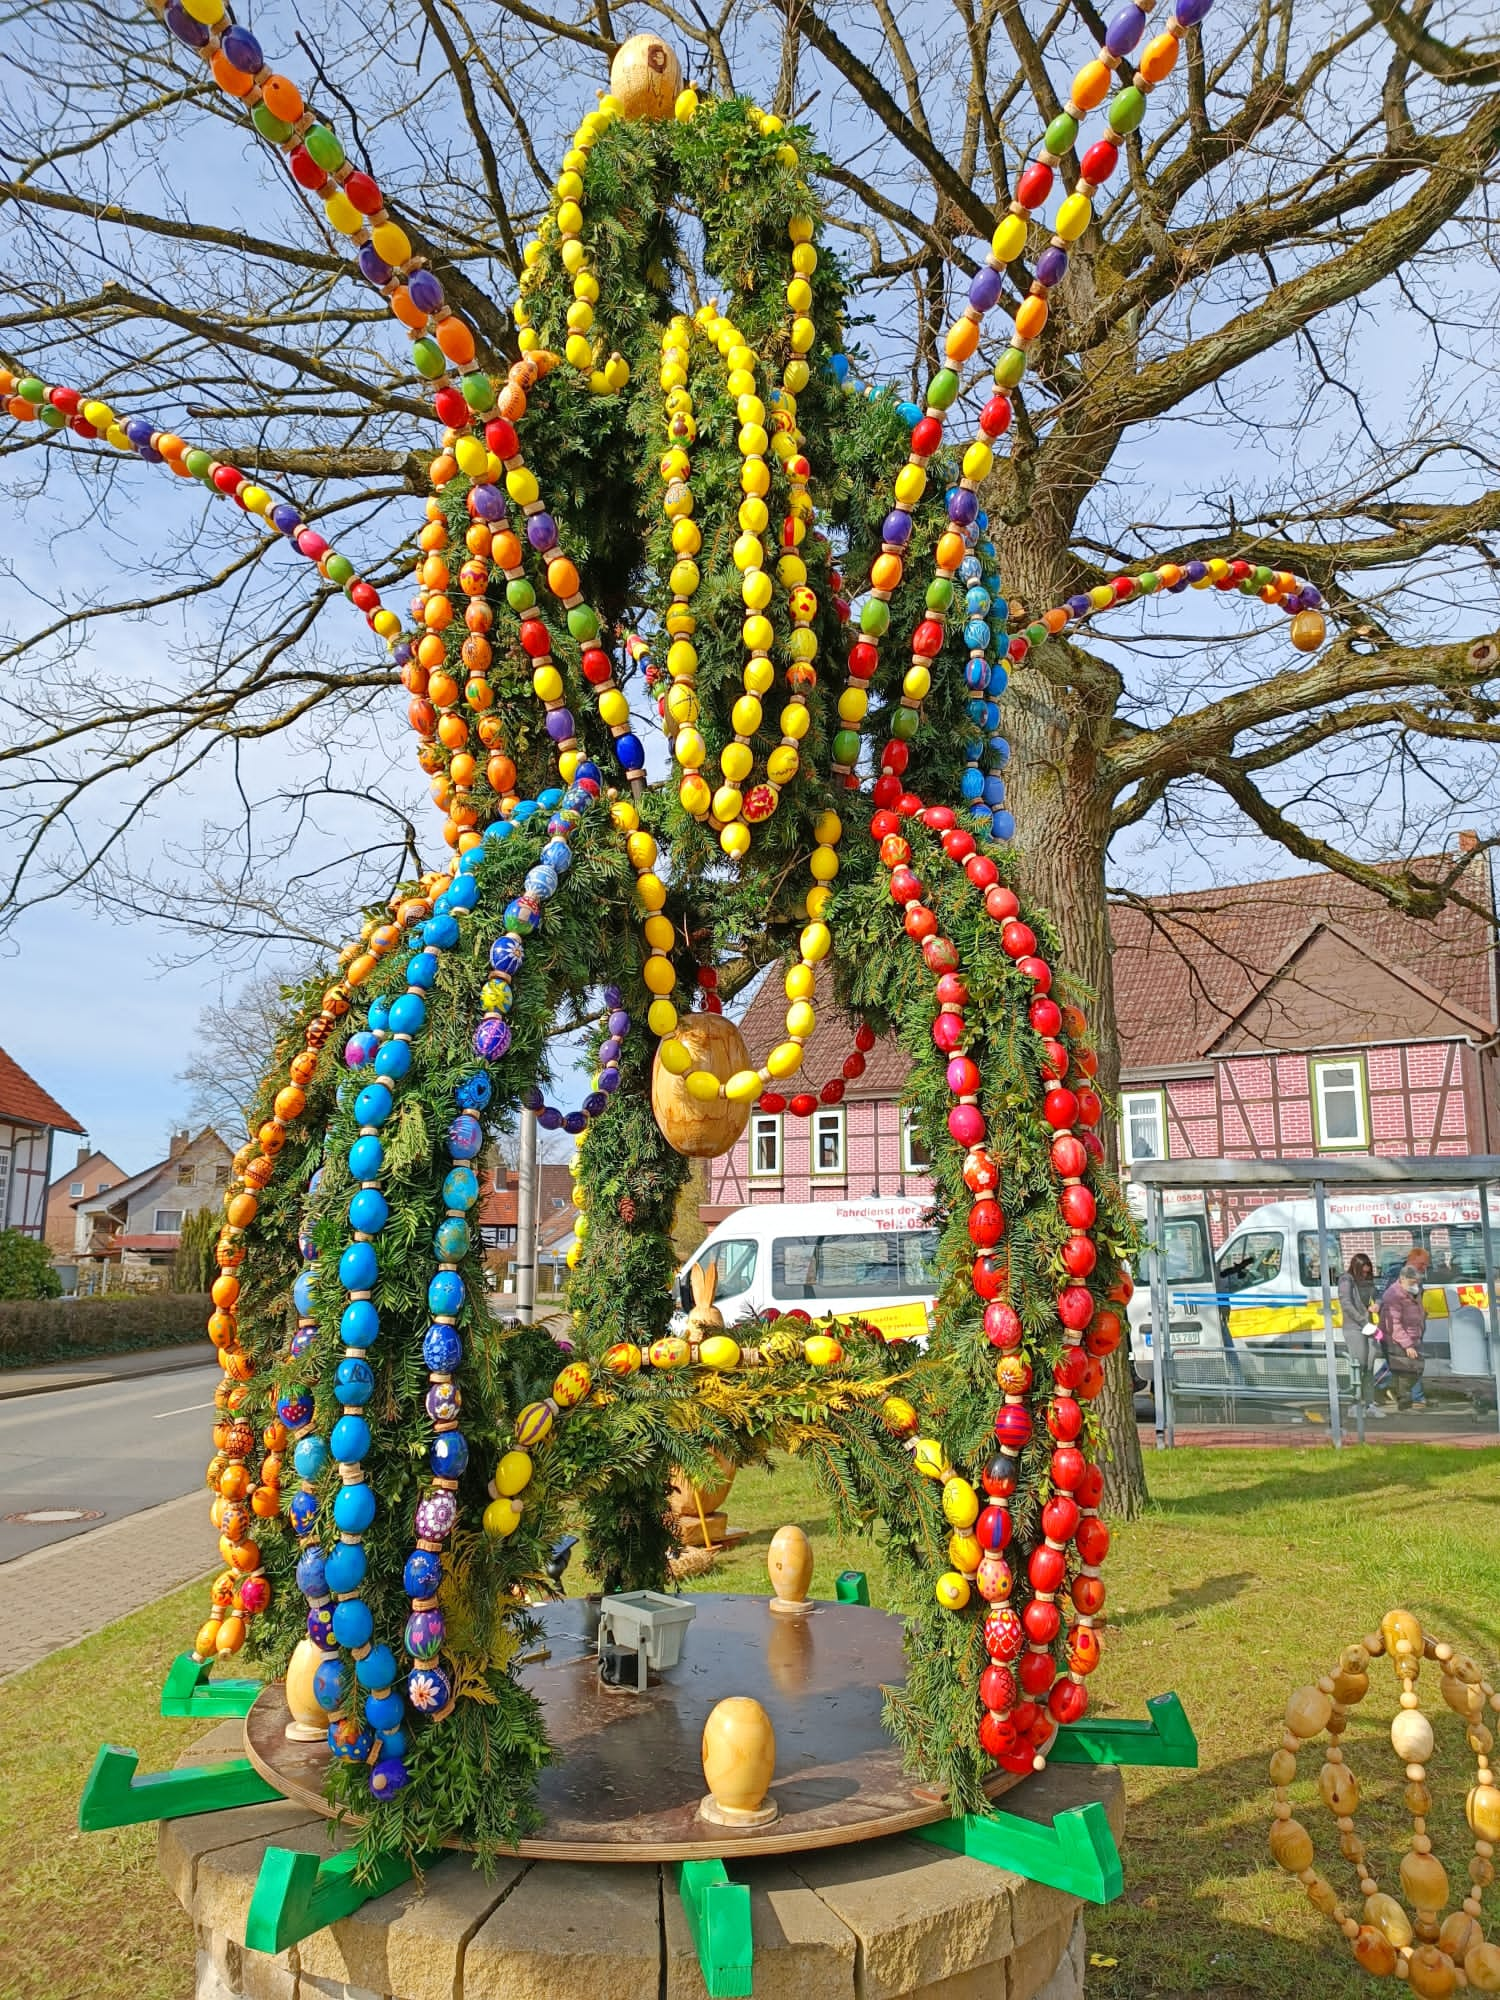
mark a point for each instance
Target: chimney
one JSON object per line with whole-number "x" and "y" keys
{"x": 83, "y": 1153}
{"x": 179, "y": 1145}
{"x": 1468, "y": 842}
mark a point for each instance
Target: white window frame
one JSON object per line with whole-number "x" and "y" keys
{"x": 759, "y": 1122}
{"x": 1129, "y": 1098}
{"x": 909, "y": 1131}
{"x": 160, "y": 1228}
{"x": 1320, "y": 1066}
{"x": 834, "y": 1114}
{"x": 75, "y": 1190}
{"x": 7, "y": 1163}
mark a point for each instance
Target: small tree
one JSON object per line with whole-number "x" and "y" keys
{"x": 26, "y": 1270}
{"x": 193, "y": 1270}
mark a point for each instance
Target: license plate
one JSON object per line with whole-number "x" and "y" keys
{"x": 1185, "y": 1336}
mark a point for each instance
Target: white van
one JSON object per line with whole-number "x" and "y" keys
{"x": 876, "y": 1259}
{"x": 1188, "y": 1268}
{"x": 1268, "y": 1273}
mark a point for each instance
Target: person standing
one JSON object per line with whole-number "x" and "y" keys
{"x": 1358, "y": 1308}
{"x": 1403, "y": 1326}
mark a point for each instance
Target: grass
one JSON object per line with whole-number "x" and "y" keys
{"x": 1249, "y": 1572}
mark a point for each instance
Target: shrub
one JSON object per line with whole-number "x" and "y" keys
{"x": 36, "y": 1330}
{"x": 26, "y": 1268}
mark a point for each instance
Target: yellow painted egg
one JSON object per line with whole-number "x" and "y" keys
{"x": 952, "y": 1590}
{"x": 646, "y": 78}
{"x": 624, "y": 1358}
{"x": 501, "y": 1518}
{"x": 513, "y": 1474}
{"x": 719, "y": 1351}
{"x": 669, "y": 1352}
{"x": 960, "y": 1503}
{"x": 572, "y": 1384}
{"x": 823, "y": 1351}
{"x": 898, "y": 1416}
{"x": 929, "y": 1458}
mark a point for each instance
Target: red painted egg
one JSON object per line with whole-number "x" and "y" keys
{"x": 883, "y": 823}
{"x": 1068, "y": 1159}
{"x": 1043, "y": 1621}
{"x": 992, "y": 1529}
{"x": 1090, "y": 1109}
{"x": 905, "y": 888}
{"x": 1013, "y": 1426}
{"x": 981, "y": 871}
{"x": 1002, "y": 1325}
{"x": 1003, "y": 1633}
{"x": 1084, "y": 1652}
{"x": 1060, "y": 1518}
{"x": 999, "y": 1476}
{"x": 1093, "y": 1540}
{"x": 947, "y": 1029}
{"x": 981, "y": 1174}
{"x": 1088, "y": 1595}
{"x": 1069, "y": 1368}
{"x": 1068, "y": 1702}
{"x": 1064, "y": 1419}
{"x": 958, "y": 843}
{"x": 997, "y": 1687}
{"x": 986, "y": 1223}
{"x": 951, "y": 991}
{"x": 1078, "y": 1206}
{"x": 1105, "y": 1332}
{"x": 1046, "y": 1568}
{"x": 1037, "y": 970}
{"x": 940, "y": 818}
{"x": 1068, "y": 1468}
{"x": 1060, "y": 1107}
{"x": 997, "y": 1736}
{"x": 988, "y": 1276}
{"x": 1002, "y": 905}
{"x": 1037, "y": 1672}
{"x": 920, "y": 922}
{"x": 1017, "y": 939}
{"x": 1079, "y": 1256}
{"x": 894, "y": 851}
{"x": 1075, "y": 1307}
{"x": 940, "y": 954}
{"x": 1090, "y": 1488}
{"x": 1044, "y": 1015}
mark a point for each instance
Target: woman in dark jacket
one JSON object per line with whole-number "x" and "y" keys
{"x": 1403, "y": 1324}
{"x": 1356, "y": 1297}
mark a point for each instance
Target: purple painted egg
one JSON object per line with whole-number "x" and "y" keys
{"x": 435, "y": 1516}
{"x": 425, "y": 1633}
{"x": 443, "y": 1401}
{"x": 492, "y": 1037}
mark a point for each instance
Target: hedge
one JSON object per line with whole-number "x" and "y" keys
{"x": 33, "y": 1330}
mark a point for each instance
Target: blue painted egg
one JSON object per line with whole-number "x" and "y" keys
{"x": 353, "y": 1508}
{"x": 425, "y": 1633}
{"x": 328, "y": 1684}
{"x": 349, "y": 1440}
{"x": 310, "y": 1458}
{"x": 442, "y": 1349}
{"x": 358, "y": 1267}
{"x": 474, "y": 1093}
{"x": 386, "y": 1713}
{"x": 421, "y": 970}
{"x": 310, "y": 1578}
{"x": 465, "y": 1137}
{"x": 380, "y": 1016}
{"x": 428, "y": 1689}
{"x": 451, "y": 1239}
{"x": 302, "y": 1292}
{"x": 302, "y": 1511}
{"x": 443, "y": 1402}
{"x": 369, "y": 1212}
{"x": 445, "y": 1293}
{"x": 507, "y": 954}
{"x": 394, "y": 1059}
{"x": 377, "y": 1670}
{"x": 359, "y": 1324}
{"x": 353, "y": 1622}
{"x": 346, "y": 1567}
{"x": 320, "y": 1625}
{"x": 449, "y": 1454}
{"x": 422, "y": 1574}
{"x": 350, "y": 1743}
{"x": 354, "y": 1379}
{"x": 460, "y": 1188}
{"x": 373, "y": 1105}
{"x": 388, "y": 1776}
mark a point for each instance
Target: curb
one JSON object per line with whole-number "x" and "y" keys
{"x": 189, "y": 1358}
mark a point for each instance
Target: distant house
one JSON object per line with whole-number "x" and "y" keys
{"x": 499, "y": 1207}
{"x": 92, "y": 1174}
{"x": 30, "y": 1119}
{"x": 138, "y": 1222}
{"x": 1284, "y": 1018}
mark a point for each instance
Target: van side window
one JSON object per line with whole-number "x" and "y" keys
{"x": 1310, "y": 1263}
{"x": 886, "y": 1265}
{"x": 736, "y": 1266}
{"x": 1252, "y": 1259}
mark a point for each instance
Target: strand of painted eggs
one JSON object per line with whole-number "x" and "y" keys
{"x": 564, "y": 218}
{"x": 1073, "y": 1511}
{"x": 29, "y": 400}
{"x": 254, "y": 1166}
{"x": 606, "y": 1082}
{"x": 444, "y": 347}
{"x": 584, "y": 625}
{"x": 961, "y": 341}
{"x": 983, "y": 791}
{"x": 720, "y": 1352}
{"x": 1300, "y": 600}
{"x": 723, "y": 807}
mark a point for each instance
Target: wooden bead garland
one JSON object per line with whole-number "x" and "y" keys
{"x": 1413, "y": 1940}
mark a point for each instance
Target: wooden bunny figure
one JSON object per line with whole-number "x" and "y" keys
{"x": 705, "y": 1318}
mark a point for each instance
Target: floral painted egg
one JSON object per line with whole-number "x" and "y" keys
{"x": 221, "y": 1595}
{"x": 443, "y": 1402}
{"x": 759, "y": 804}
{"x": 572, "y": 1385}
{"x": 435, "y": 1516}
{"x": 255, "y": 1595}
{"x": 669, "y": 1352}
{"x": 428, "y": 1689}
{"x": 425, "y": 1633}
{"x": 348, "y": 1741}
{"x": 994, "y": 1581}
{"x": 1013, "y": 1373}
{"x": 981, "y": 1174}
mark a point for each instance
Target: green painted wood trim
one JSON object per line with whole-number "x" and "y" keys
{"x": 115, "y": 1796}
{"x": 188, "y": 1691}
{"x": 296, "y": 1894}
{"x": 852, "y": 1587}
{"x": 1075, "y": 1852}
{"x": 1164, "y": 1739}
{"x": 718, "y": 1915}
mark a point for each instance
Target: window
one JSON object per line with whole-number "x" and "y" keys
{"x": 891, "y": 1264}
{"x": 916, "y": 1155}
{"x": 765, "y": 1146}
{"x": 734, "y": 1270}
{"x": 1143, "y": 1125}
{"x": 185, "y": 1174}
{"x": 828, "y": 1144}
{"x": 221, "y": 1174}
{"x": 167, "y": 1222}
{"x": 1340, "y": 1102}
{"x": 1252, "y": 1259}
{"x": 103, "y": 1187}
{"x": 4, "y": 1187}
{"x": 75, "y": 1188}
{"x": 1310, "y": 1262}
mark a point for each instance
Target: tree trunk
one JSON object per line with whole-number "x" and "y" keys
{"x": 1062, "y": 811}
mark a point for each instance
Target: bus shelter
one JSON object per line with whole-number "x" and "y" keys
{"x": 1298, "y": 1329}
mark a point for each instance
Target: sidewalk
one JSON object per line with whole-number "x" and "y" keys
{"x": 98, "y": 1368}
{"x": 56, "y": 1596}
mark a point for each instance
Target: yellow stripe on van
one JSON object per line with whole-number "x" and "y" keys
{"x": 906, "y": 1322}
{"x": 1261, "y": 1322}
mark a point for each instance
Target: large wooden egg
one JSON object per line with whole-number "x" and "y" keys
{"x": 703, "y": 1128}
{"x": 646, "y": 77}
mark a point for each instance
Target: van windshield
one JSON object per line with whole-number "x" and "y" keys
{"x": 1253, "y": 1258}
{"x": 735, "y": 1264}
{"x": 889, "y": 1265}
{"x": 1184, "y": 1252}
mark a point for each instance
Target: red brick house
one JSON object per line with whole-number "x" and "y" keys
{"x": 1265, "y": 1019}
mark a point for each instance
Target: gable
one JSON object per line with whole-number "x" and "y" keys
{"x": 1335, "y": 990}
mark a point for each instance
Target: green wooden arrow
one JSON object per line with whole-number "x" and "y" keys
{"x": 188, "y": 1691}
{"x": 1075, "y": 1852}
{"x": 1165, "y": 1738}
{"x": 297, "y": 1894}
{"x": 718, "y": 1915}
{"x": 115, "y": 1796}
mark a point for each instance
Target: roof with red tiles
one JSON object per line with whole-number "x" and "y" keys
{"x": 1187, "y": 966}
{"x": 23, "y": 1099}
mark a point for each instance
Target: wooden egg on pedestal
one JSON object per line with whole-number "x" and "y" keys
{"x": 645, "y": 77}
{"x": 309, "y": 1723}
{"x": 789, "y": 1563}
{"x": 701, "y": 1127}
{"x": 739, "y": 1761}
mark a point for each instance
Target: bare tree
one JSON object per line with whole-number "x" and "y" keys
{"x": 232, "y": 1052}
{"x": 1274, "y": 345}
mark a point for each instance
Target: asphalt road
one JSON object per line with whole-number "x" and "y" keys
{"x": 110, "y": 1449}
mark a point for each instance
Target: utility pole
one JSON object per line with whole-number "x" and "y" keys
{"x": 526, "y": 1220}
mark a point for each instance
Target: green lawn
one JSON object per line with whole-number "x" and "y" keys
{"x": 1250, "y": 1571}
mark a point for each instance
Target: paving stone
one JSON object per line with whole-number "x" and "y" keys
{"x": 571, "y": 1930}
{"x": 802, "y": 1950}
{"x": 227, "y": 1875}
{"x": 921, "y": 1914}
{"x": 225, "y": 1739}
{"x": 270, "y": 1978}
{"x": 1067, "y": 1982}
{"x": 412, "y": 1940}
